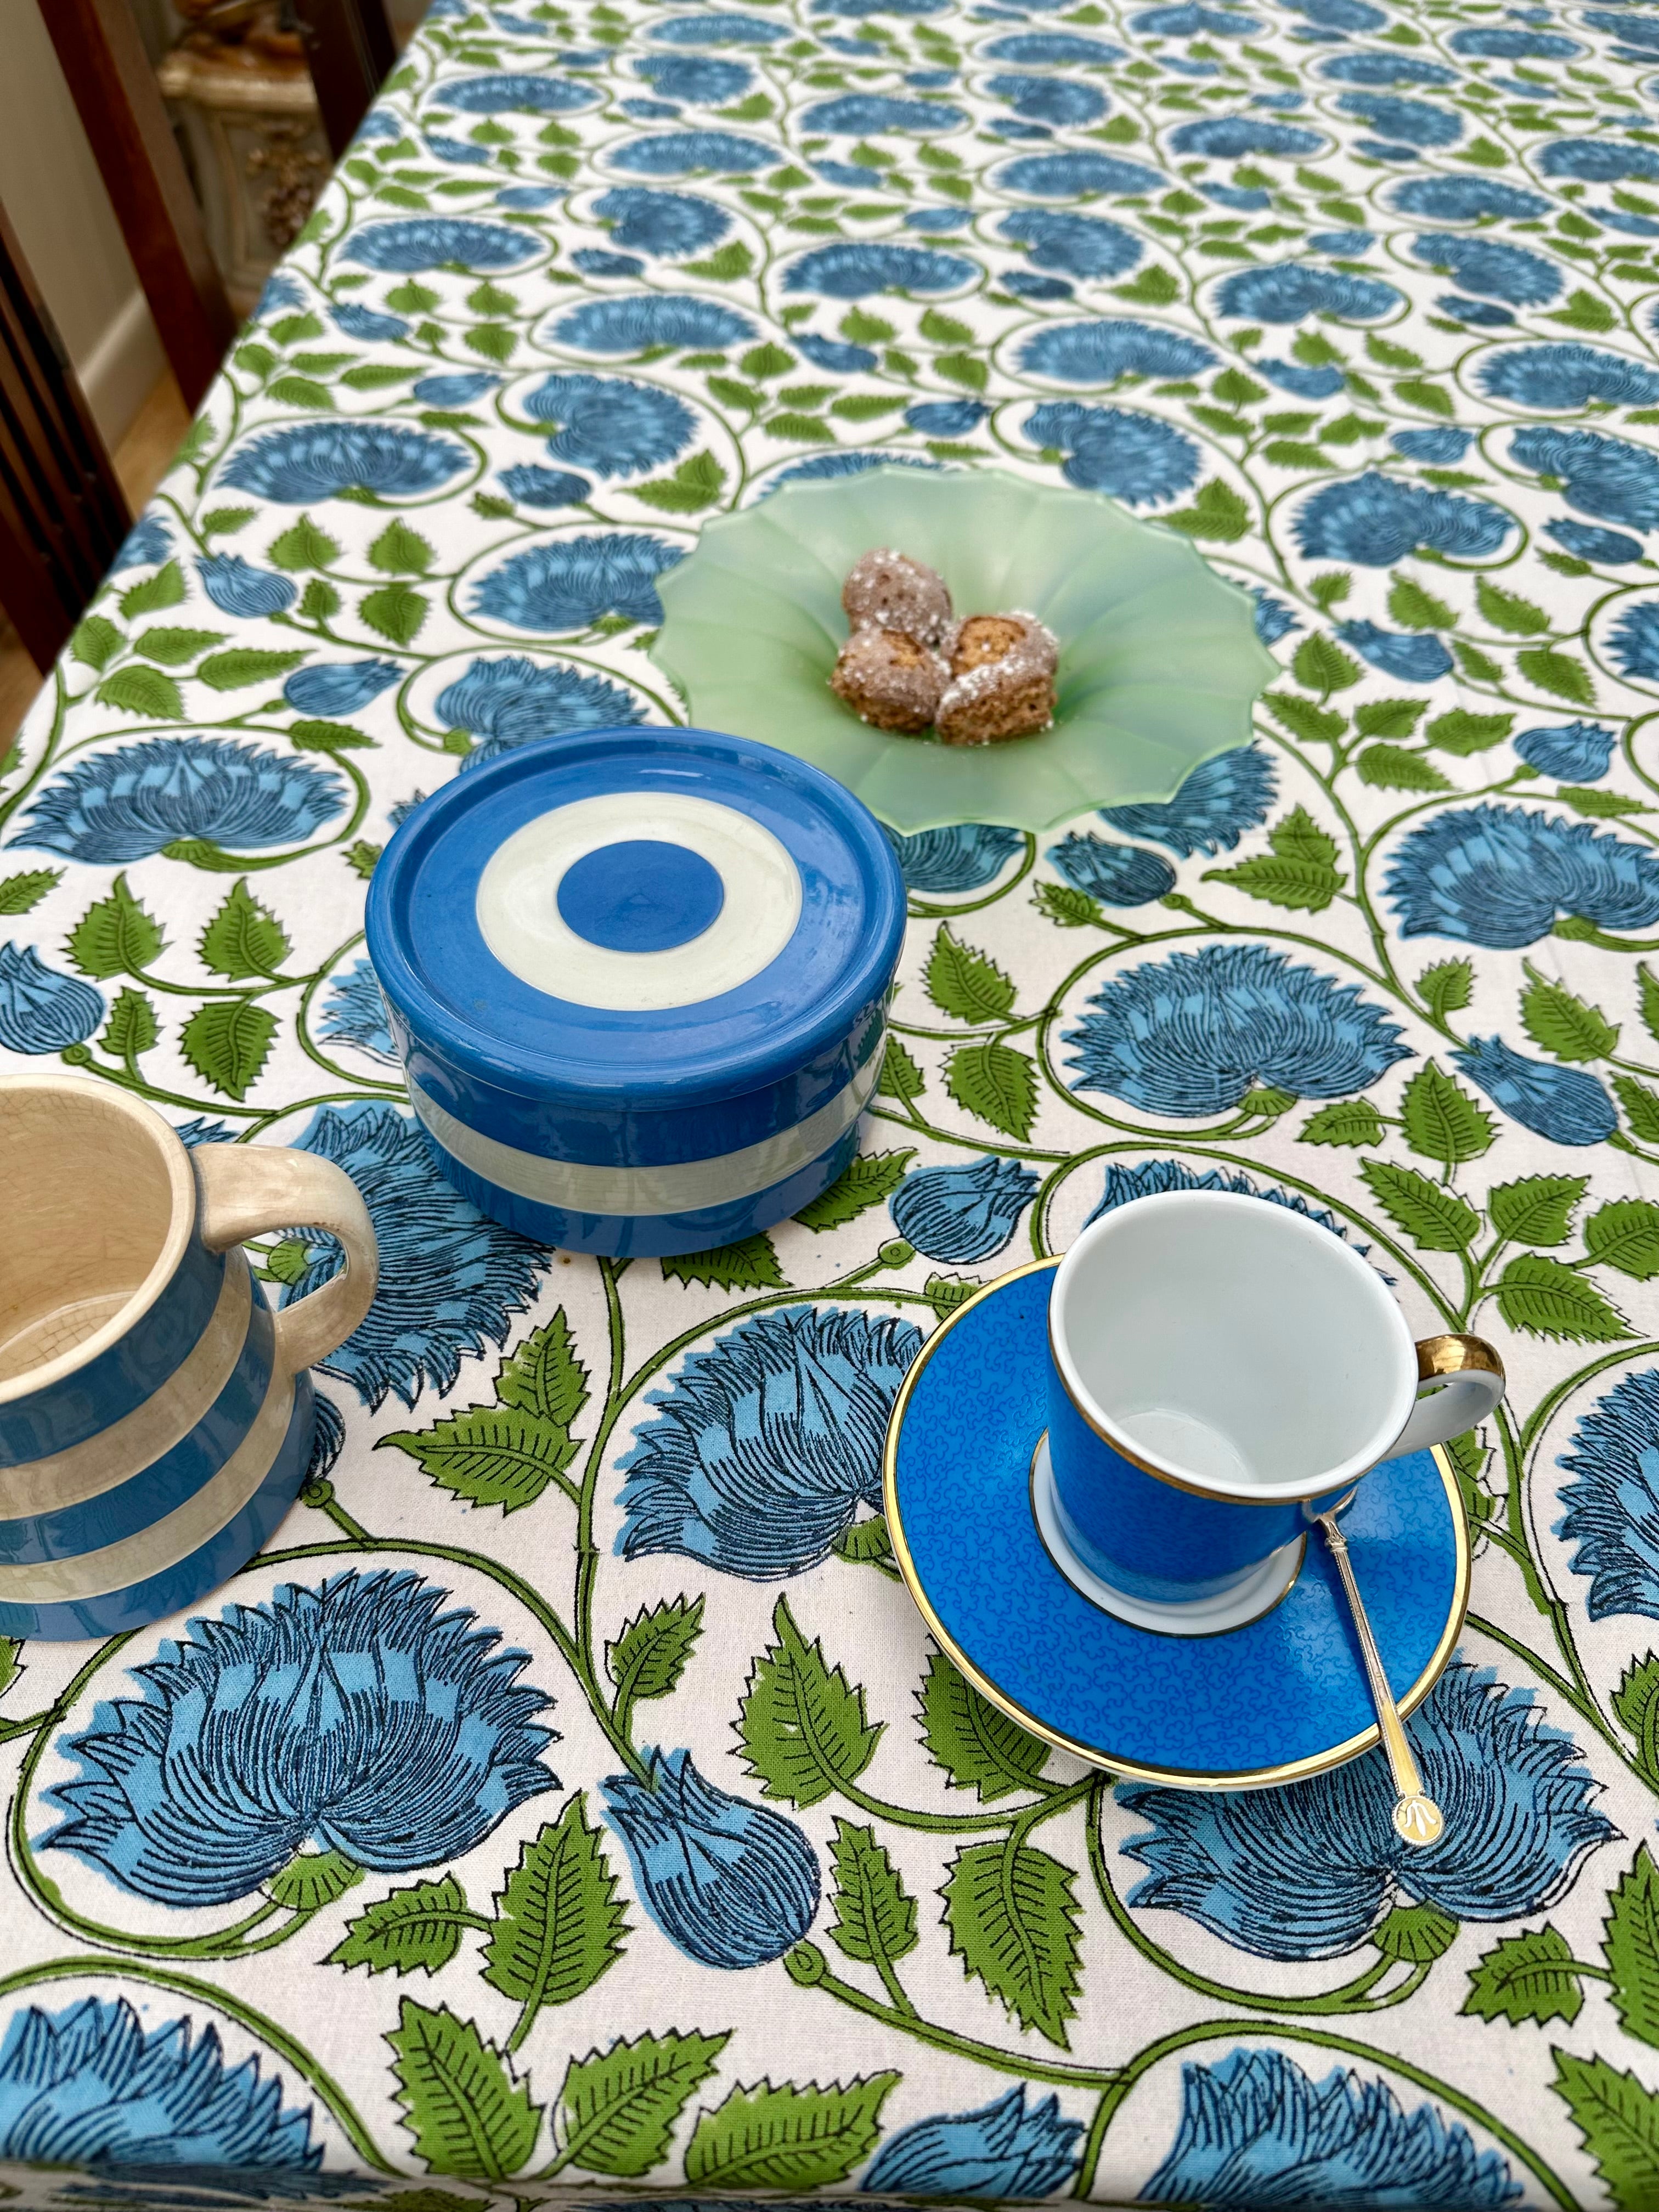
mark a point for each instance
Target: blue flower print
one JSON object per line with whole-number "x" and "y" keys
{"x": 1000, "y": 2150}
{"x": 1442, "y": 447}
{"x": 659, "y": 318}
{"x": 1081, "y": 244}
{"x": 1637, "y": 31}
{"x": 1496, "y": 44}
{"x": 1418, "y": 122}
{"x": 1599, "y": 161}
{"x": 281, "y": 295}
{"x": 1499, "y": 876}
{"x": 938, "y": 218}
{"x": 436, "y": 242}
{"x": 671, "y": 223}
{"x": 1289, "y": 292}
{"x": 1100, "y": 352}
{"x": 41, "y": 1010}
{"x": 609, "y": 425}
{"x": 354, "y": 1012}
{"x": 93, "y": 2086}
{"x": 532, "y": 485}
{"x": 822, "y": 465}
{"x": 1480, "y": 313}
{"x": 1246, "y": 200}
{"x": 1072, "y": 176}
{"x": 716, "y": 30}
{"x": 1139, "y": 458}
{"x": 1273, "y": 618}
{"x": 509, "y": 702}
{"x": 451, "y": 1279}
{"x": 763, "y": 1447}
{"x": 1226, "y": 138}
{"x": 853, "y": 273}
{"x": 1611, "y": 548}
{"x": 1340, "y": 15}
{"x": 696, "y": 77}
{"x": 455, "y": 391}
{"x": 507, "y": 93}
{"x": 1059, "y": 101}
{"x": 945, "y": 418}
{"x": 1613, "y": 1502}
{"x": 684, "y": 153}
{"x": 1308, "y": 1872}
{"x": 123, "y": 804}
{"x": 146, "y": 543}
{"x": 1468, "y": 199}
{"x": 528, "y": 198}
{"x": 1608, "y": 478}
{"x": 964, "y": 857}
{"x": 1116, "y": 875}
{"x": 1344, "y": 244}
{"x": 456, "y": 149}
{"x": 360, "y": 322}
{"x": 1190, "y": 1035}
{"x": 1188, "y": 20}
{"x": 860, "y": 114}
{"x": 1482, "y": 266}
{"x": 1219, "y": 800}
{"x": 318, "y": 460}
{"x": 1385, "y": 68}
{"x": 1255, "y": 2131}
{"x": 236, "y": 588}
{"x": 1562, "y": 1103}
{"x": 1635, "y": 640}
{"x": 569, "y": 584}
{"x": 356, "y": 1716}
{"x": 1565, "y": 378}
{"x": 963, "y": 1214}
{"x": 339, "y": 687}
{"x": 1044, "y": 49}
{"x": 1376, "y": 521}
{"x": 1579, "y": 752}
{"x": 832, "y": 354}
{"x": 1305, "y": 383}
{"x": 1153, "y": 1178}
{"x": 1416, "y": 659}
{"x": 729, "y": 1883}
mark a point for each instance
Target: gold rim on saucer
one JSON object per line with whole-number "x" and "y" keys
{"x": 1177, "y": 1777}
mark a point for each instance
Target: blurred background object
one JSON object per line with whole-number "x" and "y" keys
{"x": 157, "y": 157}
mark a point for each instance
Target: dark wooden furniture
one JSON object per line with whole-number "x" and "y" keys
{"x": 113, "y": 88}
{"x": 62, "y": 512}
{"x": 349, "y": 49}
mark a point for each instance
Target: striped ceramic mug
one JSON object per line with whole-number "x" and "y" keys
{"x": 155, "y": 1416}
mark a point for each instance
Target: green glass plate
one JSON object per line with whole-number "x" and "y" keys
{"x": 1159, "y": 661}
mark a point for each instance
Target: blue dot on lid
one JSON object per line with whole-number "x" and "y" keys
{"x": 642, "y": 895}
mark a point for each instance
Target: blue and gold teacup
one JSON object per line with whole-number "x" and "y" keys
{"x": 1220, "y": 1368}
{"x": 155, "y": 1416}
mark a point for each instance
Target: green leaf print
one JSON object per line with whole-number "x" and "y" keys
{"x": 750, "y": 1265}
{"x": 396, "y": 612}
{"x": 979, "y": 1746}
{"x": 1344, "y": 1122}
{"x": 165, "y": 588}
{"x": 1619, "y": 2120}
{"x": 1436, "y": 1219}
{"x": 802, "y": 1725}
{"x": 1014, "y": 1916}
{"x": 417, "y": 1929}
{"x": 900, "y": 1077}
{"x": 1537, "y": 1209}
{"x": 649, "y": 1657}
{"x": 869, "y": 1180}
{"x": 1443, "y": 1122}
{"x": 964, "y": 981}
{"x": 131, "y": 1028}
{"x": 400, "y": 551}
{"x": 787, "y": 2138}
{"x": 618, "y": 2108}
{"x": 226, "y": 1042}
{"x": 234, "y": 671}
{"x": 1526, "y": 1978}
{"x": 243, "y": 938}
{"x": 95, "y": 643}
{"x": 313, "y": 1880}
{"x": 1548, "y": 1299}
{"x": 558, "y": 1926}
{"x": 470, "y": 2115}
{"x": 142, "y": 691}
{"x": 995, "y": 1082}
{"x": 1447, "y": 987}
{"x": 875, "y": 1921}
{"x": 172, "y": 647}
{"x": 19, "y": 893}
{"x": 1625, "y": 1233}
{"x": 1565, "y": 1024}
{"x": 117, "y": 936}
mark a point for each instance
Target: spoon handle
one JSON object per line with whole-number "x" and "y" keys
{"x": 1417, "y": 1817}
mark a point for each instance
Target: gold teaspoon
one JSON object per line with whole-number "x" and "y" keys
{"x": 1417, "y": 1817}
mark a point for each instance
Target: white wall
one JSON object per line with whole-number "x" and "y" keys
{"x": 55, "y": 198}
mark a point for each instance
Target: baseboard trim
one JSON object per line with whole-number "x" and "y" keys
{"x": 123, "y": 368}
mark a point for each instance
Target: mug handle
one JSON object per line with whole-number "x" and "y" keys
{"x": 1460, "y": 1381}
{"x": 246, "y": 1189}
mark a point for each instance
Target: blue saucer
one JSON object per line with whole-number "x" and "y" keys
{"x": 1282, "y": 1698}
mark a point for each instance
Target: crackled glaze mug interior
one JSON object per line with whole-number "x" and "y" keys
{"x": 1216, "y": 1365}
{"x": 155, "y": 1416}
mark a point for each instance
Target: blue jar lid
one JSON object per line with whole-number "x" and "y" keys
{"x": 635, "y": 917}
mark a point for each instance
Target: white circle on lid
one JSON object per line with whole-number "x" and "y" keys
{"x": 518, "y": 911}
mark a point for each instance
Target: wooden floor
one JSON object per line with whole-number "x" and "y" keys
{"x": 141, "y": 461}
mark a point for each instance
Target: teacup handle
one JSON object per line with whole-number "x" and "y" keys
{"x": 1460, "y": 1381}
{"x": 248, "y": 1188}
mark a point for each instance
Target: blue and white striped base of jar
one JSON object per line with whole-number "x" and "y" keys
{"x": 637, "y": 980}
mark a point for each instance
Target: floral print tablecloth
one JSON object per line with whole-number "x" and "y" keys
{"x": 571, "y": 1802}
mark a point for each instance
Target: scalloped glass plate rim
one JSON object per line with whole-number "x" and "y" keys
{"x": 774, "y": 617}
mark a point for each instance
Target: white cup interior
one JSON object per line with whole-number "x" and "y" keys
{"x": 1232, "y": 1343}
{"x": 98, "y": 1206}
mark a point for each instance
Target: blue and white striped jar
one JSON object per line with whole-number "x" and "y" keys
{"x": 638, "y": 979}
{"x": 155, "y": 1416}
